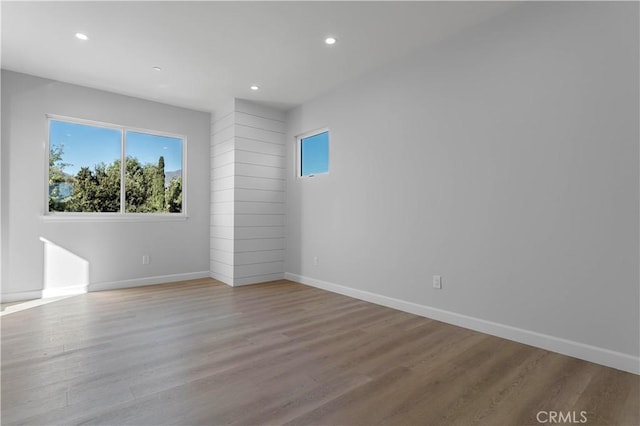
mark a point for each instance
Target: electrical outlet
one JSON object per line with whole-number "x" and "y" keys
{"x": 315, "y": 261}
{"x": 145, "y": 259}
{"x": 437, "y": 281}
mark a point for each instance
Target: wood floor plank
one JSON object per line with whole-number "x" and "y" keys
{"x": 201, "y": 352}
{"x": 604, "y": 398}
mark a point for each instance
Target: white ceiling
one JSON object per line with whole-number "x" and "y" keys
{"x": 212, "y": 51}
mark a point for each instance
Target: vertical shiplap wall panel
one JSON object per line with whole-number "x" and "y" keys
{"x": 247, "y": 194}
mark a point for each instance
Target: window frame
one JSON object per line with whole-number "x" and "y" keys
{"x": 306, "y": 135}
{"x": 122, "y": 215}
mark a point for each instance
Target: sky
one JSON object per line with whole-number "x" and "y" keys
{"x": 86, "y": 146}
{"x": 314, "y": 154}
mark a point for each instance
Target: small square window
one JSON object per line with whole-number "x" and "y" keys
{"x": 313, "y": 149}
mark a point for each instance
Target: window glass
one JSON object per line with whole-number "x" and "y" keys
{"x": 314, "y": 154}
{"x": 154, "y": 173}
{"x": 84, "y": 168}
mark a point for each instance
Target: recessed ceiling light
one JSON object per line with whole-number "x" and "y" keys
{"x": 81, "y": 36}
{"x": 254, "y": 87}
{"x": 330, "y": 40}
{"x": 157, "y": 69}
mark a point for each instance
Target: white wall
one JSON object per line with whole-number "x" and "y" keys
{"x": 247, "y": 194}
{"x": 504, "y": 159}
{"x": 178, "y": 249}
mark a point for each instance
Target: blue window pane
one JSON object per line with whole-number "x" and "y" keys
{"x": 314, "y": 154}
{"x": 148, "y": 148}
{"x": 84, "y": 168}
{"x": 82, "y": 145}
{"x": 153, "y": 176}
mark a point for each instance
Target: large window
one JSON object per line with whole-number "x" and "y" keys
{"x": 86, "y": 172}
{"x": 313, "y": 153}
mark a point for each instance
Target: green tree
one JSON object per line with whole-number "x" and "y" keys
{"x": 84, "y": 192}
{"x": 174, "y": 196}
{"x": 158, "y": 196}
{"x": 137, "y": 186}
{"x": 98, "y": 190}
{"x": 57, "y": 179}
{"x": 108, "y": 187}
{"x": 56, "y": 164}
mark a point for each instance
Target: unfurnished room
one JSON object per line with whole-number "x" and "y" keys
{"x": 320, "y": 213}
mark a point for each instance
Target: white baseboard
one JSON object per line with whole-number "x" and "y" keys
{"x": 107, "y": 285}
{"x": 20, "y": 296}
{"x": 579, "y": 350}
{"x": 222, "y": 278}
{"x": 63, "y": 291}
{"x": 257, "y": 280}
{"x": 139, "y": 282}
{"x": 237, "y": 282}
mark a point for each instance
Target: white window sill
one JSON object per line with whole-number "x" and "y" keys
{"x": 116, "y": 217}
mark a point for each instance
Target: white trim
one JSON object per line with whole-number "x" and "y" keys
{"x": 123, "y": 129}
{"x": 112, "y": 217}
{"x": 185, "y": 184}
{"x": 259, "y": 279}
{"x": 123, "y": 170}
{"x": 305, "y": 135}
{"x": 82, "y": 121}
{"x": 20, "y": 296}
{"x": 63, "y": 291}
{"x": 575, "y": 349}
{"x": 47, "y": 156}
{"x": 238, "y": 282}
{"x": 222, "y": 278}
{"x": 106, "y": 285}
{"x": 139, "y": 282}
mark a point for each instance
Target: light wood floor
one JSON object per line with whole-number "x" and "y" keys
{"x": 201, "y": 352}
